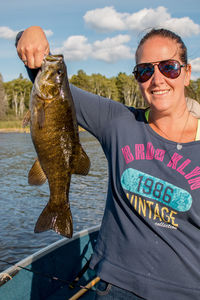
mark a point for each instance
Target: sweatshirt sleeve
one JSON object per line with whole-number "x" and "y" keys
{"x": 93, "y": 112}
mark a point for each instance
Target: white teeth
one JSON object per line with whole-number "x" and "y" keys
{"x": 160, "y": 92}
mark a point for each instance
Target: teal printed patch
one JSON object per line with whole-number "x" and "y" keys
{"x": 154, "y": 188}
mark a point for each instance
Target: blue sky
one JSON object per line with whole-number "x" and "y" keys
{"x": 97, "y": 36}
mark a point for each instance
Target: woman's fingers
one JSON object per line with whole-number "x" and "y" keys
{"x": 33, "y": 46}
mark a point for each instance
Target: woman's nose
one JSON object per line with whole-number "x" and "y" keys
{"x": 157, "y": 76}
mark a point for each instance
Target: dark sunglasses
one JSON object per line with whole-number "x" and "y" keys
{"x": 169, "y": 68}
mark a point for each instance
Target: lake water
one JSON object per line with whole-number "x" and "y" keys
{"x": 21, "y": 204}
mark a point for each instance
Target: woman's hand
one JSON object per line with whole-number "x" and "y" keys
{"x": 33, "y": 46}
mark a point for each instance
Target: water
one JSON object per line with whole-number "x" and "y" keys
{"x": 21, "y": 204}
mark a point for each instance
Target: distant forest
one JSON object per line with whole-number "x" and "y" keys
{"x": 15, "y": 94}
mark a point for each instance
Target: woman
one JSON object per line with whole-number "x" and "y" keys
{"x": 149, "y": 242}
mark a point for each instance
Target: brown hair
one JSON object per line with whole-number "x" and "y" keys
{"x": 166, "y": 34}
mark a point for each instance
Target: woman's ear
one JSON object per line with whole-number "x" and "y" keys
{"x": 188, "y": 75}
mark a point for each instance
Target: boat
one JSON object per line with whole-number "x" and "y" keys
{"x": 58, "y": 271}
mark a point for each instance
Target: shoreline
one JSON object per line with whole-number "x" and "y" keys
{"x": 23, "y": 130}
{"x": 14, "y": 130}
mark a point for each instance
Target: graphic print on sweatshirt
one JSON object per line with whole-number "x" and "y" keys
{"x": 152, "y": 197}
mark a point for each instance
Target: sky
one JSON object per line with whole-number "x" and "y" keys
{"x": 96, "y": 36}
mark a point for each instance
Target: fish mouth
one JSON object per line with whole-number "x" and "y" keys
{"x": 46, "y": 78}
{"x": 54, "y": 58}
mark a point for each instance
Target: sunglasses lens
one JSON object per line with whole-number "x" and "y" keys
{"x": 143, "y": 72}
{"x": 170, "y": 68}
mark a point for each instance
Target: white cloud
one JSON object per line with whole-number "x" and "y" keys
{"x": 183, "y": 26}
{"x": 77, "y": 48}
{"x": 105, "y": 19}
{"x": 146, "y": 18}
{"x": 7, "y": 33}
{"x": 108, "y": 19}
{"x": 195, "y": 63}
{"x": 195, "y": 77}
{"x": 48, "y": 32}
{"x": 112, "y": 49}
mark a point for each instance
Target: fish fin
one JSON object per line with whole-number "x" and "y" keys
{"x": 58, "y": 218}
{"x": 83, "y": 163}
{"x": 26, "y": 119}
{"x": 41, "y": 116}
{"x": 36, "y": 175}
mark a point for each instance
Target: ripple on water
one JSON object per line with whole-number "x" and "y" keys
{"x": 21, "y": 204}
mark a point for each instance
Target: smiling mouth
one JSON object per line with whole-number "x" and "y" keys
{"x": 160, "y": 92}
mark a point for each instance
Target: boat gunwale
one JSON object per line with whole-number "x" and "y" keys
{"x": 42, "y": 252}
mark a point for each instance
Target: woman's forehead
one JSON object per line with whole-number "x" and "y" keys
{"x": 158, "y": 48}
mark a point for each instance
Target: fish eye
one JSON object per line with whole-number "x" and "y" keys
{"x": 59, "y": 72}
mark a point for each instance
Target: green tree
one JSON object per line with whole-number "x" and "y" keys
{"x": 81, "y": 80}
{"x": 128, "y": 90}
{"x": 98, "y": 83}
{"x": 122, "y": 88}
{"x": 3, "y": 99}
{"x": 111, "y": 90}
{"x": 193, "y": 90}
{"x": 18, "y": 94}
{"x": 137, "y": 99}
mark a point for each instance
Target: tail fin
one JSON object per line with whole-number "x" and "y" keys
{"x": 58, "y": 218}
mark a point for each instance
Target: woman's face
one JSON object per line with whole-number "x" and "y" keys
{"x": 161, "y": 93}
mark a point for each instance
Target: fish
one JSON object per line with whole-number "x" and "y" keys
{"x": 55, "y": 136}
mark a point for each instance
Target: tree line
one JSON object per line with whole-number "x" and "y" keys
{"x": 15, "y": 94}
{"x": 14, "y": 97}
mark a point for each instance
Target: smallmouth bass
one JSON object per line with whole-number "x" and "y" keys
{"x": 54, "y": 133}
